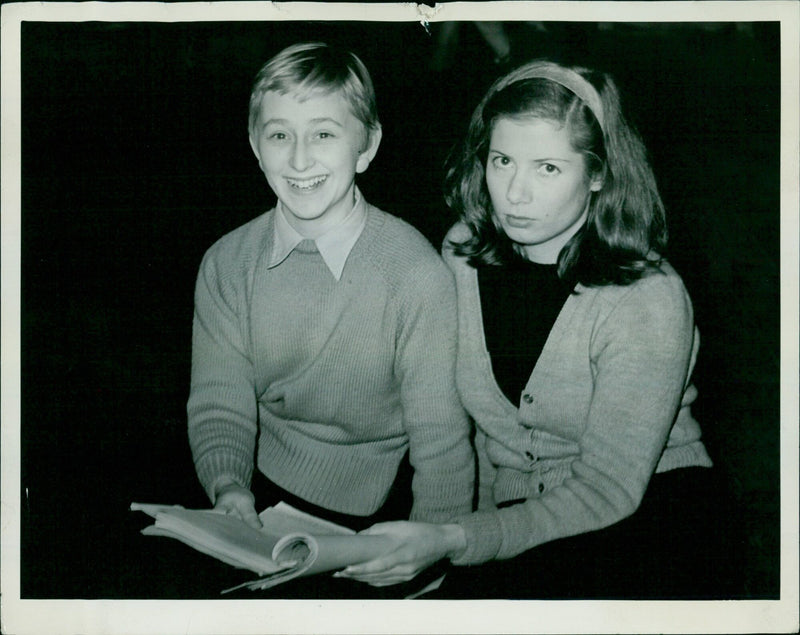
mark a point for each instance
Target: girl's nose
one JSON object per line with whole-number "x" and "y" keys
{"x": 519, "y": 189}
{"x": 301, "y": 158}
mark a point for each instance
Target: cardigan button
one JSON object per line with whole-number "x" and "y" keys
{"x": 541, "y": 487}
{"x": 527, "y": 398}
{"x": 531, "y": 457}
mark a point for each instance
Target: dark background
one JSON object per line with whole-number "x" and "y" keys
{"x": 135, "y": 160}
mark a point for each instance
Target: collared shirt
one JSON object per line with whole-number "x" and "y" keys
{"x": 334, "y": 245}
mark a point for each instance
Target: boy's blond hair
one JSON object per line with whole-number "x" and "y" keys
{"x": 316, "y": 68}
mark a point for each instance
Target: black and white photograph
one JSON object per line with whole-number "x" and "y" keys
{"x": 311, "y": 310}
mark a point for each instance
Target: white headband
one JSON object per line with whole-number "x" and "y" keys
{"x": 567, "y": 78}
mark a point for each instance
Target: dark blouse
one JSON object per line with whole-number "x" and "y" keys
{"x": 520, "y": 302}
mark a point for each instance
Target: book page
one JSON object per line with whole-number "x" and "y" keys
{"x": 284, "y": 519}
{"x": 219, "y": 535}
{"x": 290, "y": 544}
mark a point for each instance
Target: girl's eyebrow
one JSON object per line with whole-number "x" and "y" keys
{"x": 540, "y": 160}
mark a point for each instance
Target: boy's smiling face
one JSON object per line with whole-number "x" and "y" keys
{"x": 310, "y": 152}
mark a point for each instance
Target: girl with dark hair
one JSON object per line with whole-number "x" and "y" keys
{"x": 576, "y": 347}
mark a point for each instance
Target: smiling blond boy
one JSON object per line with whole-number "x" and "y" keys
{"x": 324, "y": 331}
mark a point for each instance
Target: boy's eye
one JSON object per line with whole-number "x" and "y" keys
{"x": 325, "y": 135}
{"x": 278, "y": 136}
{"x": 548, "y": 169}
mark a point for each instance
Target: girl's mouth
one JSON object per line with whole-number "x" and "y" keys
{"x": 518, "y": 221}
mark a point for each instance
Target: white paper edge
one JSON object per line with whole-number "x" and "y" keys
{"x": 245, "y": 616}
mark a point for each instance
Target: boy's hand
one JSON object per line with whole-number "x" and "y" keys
{"x": 417, "y": 546}
{"x": 238, "y": 501}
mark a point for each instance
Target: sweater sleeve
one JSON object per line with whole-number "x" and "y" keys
{"x": 222, "y": 410}
{"x": 640, "y": 358}
{"x": 436, "y": 423}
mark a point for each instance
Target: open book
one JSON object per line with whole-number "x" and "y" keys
{"x": 291, "y": 543}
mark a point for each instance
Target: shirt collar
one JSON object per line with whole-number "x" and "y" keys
{"x": 334, "y": 245}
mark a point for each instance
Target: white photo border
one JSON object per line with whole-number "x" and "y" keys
{"x": 272, "y": 616}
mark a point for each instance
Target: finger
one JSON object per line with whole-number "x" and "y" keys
{"x": 384, "y": 581}
{"x": 398, "y": 576}
{"x": 245, "y": 515}
{"x": 354, "y": 575}
{"x": 377, "y": 580}
{"x": 252, "y": 519}
{"x": 233, "y": 510}
{"x": 389, "y": 582}
{"x": 225, "y": 508}
{"x": 378, "y": 528}
{"x": 379, "y": 565}
{"x": 396, "y": 573}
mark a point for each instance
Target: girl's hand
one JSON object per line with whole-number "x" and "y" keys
{"x": 416, "y": 547}
{"x": 238, "y": 501}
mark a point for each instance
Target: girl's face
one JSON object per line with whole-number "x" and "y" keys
{"x": 539, "y": 185}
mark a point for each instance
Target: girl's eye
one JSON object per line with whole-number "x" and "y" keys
{"x": 548, "y": 169}
{"x": 278, "y": 136}
{"x": 325, "y": 135}
{"x": 501, "y": 161}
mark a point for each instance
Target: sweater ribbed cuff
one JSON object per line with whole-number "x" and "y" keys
{"x": 484, "y": 538}
{"x": 693, "y": 454}
{"x": 213, "y": 467}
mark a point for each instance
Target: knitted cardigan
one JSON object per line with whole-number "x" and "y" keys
{"x": 328, "y": 383}
{"x": 606, "y": 406}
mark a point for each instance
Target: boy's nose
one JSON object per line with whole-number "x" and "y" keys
{"x": 519, "y": 189}
{"x": 301, "y": 158}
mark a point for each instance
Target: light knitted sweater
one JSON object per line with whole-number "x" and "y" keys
{"x": 328, "y": 383}
{"x": 606, "y": 406}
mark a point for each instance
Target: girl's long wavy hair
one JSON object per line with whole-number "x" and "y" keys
{"x": 625, "y": 231}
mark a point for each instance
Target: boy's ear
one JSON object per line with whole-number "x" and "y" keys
{"x": 374, "y": 136}
{"x": 253, "y": 146}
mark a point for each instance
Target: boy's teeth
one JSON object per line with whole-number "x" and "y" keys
{"x": 306, "y": 183}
